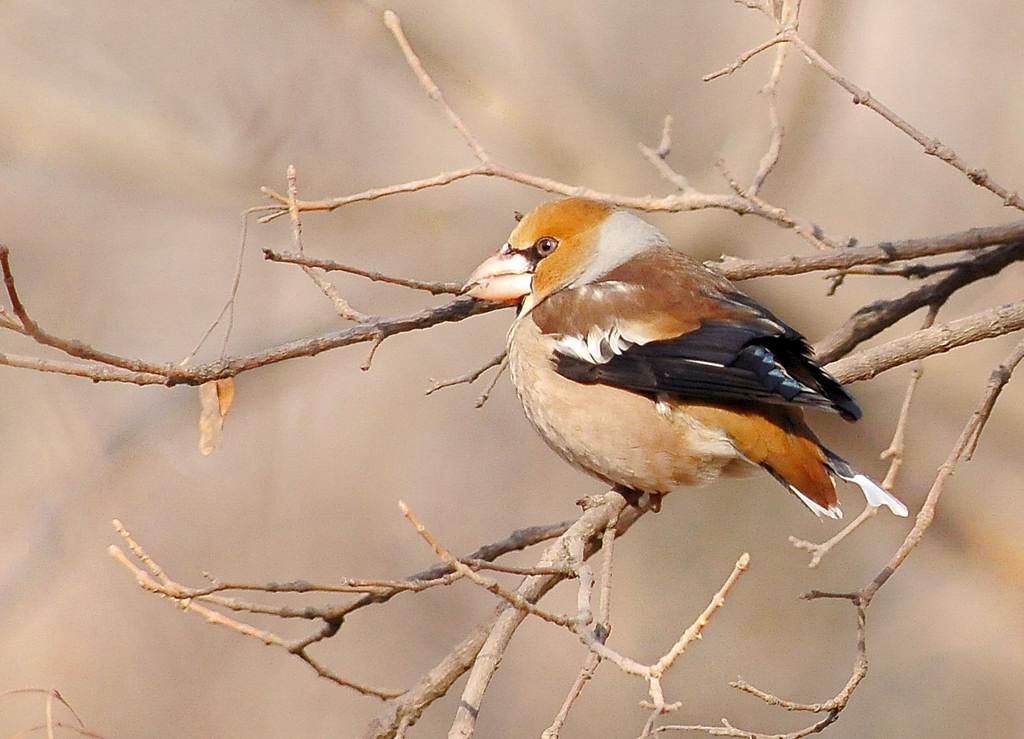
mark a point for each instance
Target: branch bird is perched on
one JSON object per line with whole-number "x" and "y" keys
{"x": 650, "y": 371}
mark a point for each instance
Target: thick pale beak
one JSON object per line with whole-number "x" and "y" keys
{"x": 505, "y": 277}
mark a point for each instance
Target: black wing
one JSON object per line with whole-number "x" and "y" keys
{"x": 760, "y": 360}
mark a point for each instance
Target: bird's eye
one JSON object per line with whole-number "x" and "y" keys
{"x": 545, "y": 245}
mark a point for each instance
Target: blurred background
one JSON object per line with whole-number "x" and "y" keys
{"x": 134, "y": 135}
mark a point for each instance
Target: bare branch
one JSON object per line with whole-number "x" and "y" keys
{"x": 776, "y": 131}
{"x": 486, "y": 394}
{"x": 657, "y": 156}
{"x": 931, "y": 146}
{"x": 328, "y": 265}
{"x": 873, "y": 319}
{"x": 602, "y": 629}
{"x": 498, "y": 360}
{"x": 52, "y": 697}
{"x": 394, "y": 25}
{"x": 818, "y": 551}
{"x": 122, "y": 369}
{"x": 514, "y": 599}
{"x": 984, "y": 325}
{"x": 593, "y": 520}
{"x": 69, "y": 346}
{"x": 787, "y": 33}
{"x": 880, "y": 253}
{"x": 341, "y": 306}
{"x": 745, "y": 57}
{"x": 961, "y": 449}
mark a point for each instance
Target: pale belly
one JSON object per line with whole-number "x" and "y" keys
{"x": 634, "y": 441}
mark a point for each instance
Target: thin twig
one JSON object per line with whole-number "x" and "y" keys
{"x": 155, "y": 580}
{"x": 394, "y": 25}
{"x": 486, "y": 394}
{"x": 341, "y": 306}
{"x": 832, "y": 707}
{"x": 776, "y": 132}
{"x": 69, "y": 346}
{"x": 586, "y": 673}
{"x": 602, "y": 628}
{"x": 818, "y": 551}
{"x": 51, "y": 697}
{"x": 657, "y": 158}
{"x": 895, "y": 451}
{"x": 470, "y": 377}
{"x": 328, "y": 265}
{"x": 514, "y": 599}
{"x": 745, "y": 57}
{"x": 594, "y": 519}
{"x": 227, "y": 312}
{"x": 657, "y": 671}
{"x": 932, "y": 146}
{"x": 961, "y": 449}
{"x": 882, "y": 252}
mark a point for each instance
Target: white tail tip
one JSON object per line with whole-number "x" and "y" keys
{"x": 817, "y": 509}
{"x": 876, "y": 495}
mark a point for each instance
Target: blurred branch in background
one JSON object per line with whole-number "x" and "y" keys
{"x": 976, "y": 254}
{"x": 55, "y": 704}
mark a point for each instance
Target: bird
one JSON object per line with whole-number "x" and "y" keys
{"x": 652, "y": 372}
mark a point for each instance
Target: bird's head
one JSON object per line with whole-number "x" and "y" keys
{"x": 559, "y": 244}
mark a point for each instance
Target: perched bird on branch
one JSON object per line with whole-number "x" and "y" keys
{"x": 646, "y": 369}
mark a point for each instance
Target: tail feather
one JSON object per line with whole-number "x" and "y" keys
{"x": 833, "y": 511}
{"x": 875, "y": 494}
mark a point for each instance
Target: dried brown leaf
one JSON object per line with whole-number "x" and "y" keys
{"x": 215, "y": 398}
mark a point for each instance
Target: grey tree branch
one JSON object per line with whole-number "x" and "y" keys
{"x": 881, "y": 253}
{"x": 873, "y": 319}
{"x": 105, "y": 366}
{"x": 928, "y": 341}
{"x": 497, "y": 629}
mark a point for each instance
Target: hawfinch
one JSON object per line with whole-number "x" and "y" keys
{"x": 646, "y": 369}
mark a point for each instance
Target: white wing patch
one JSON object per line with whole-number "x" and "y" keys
{"x": 601, "y": 345}
{"x": 597, "y": 347}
